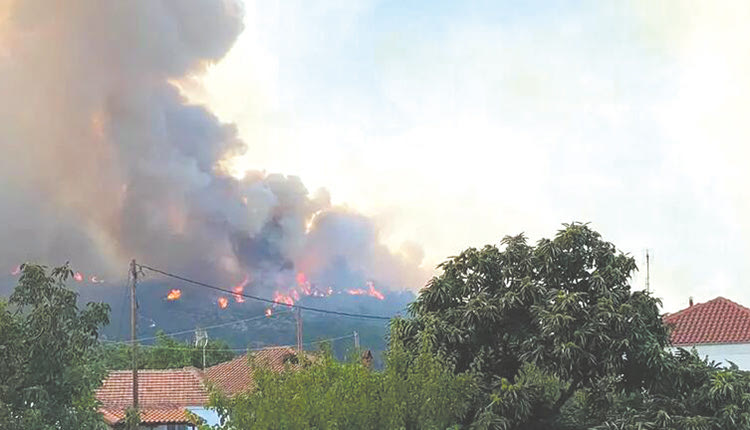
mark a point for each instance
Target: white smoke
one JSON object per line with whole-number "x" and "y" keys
{"x": 104, "y": 160}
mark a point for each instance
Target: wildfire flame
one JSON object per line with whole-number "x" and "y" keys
{"x": 370, "y": 291}
{"x": 303, "y": 284}
{"x": 283, "y": 298}
{"x": 16, "y": 270}
{"x": 78, "y": 276}
{"x": 304, "y": 287}
{"x": 223, "y": 302}
{"x": 174, "y": 294}
{"x": 239, "y": 289}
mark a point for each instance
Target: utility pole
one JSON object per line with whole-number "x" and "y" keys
{"x": 133, "y": 317}
{"x": 299, "y": 329}
{"x": 201, "y": 336}
{"x": 648, "y": 275}
{"x": 356, "y": 340}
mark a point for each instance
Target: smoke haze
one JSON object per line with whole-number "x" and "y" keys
{"x": 105, "y": 160}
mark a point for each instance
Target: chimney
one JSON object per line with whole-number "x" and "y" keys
{"x": 691, "y": 301}
{"x": 367, "y": 358}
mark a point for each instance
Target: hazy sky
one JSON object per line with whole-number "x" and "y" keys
{"x": 456, "y": 123}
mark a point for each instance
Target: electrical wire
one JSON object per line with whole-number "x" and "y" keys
{"x": 234, "y": 349}
{"x": 177, "y": 333}
{"x": 261, "y": 299}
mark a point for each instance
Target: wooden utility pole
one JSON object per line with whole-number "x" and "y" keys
{"x": 299, "y": 329}
{"x": 133, "y": 317}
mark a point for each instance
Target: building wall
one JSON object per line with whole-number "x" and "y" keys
{"x": 738, "y": 353}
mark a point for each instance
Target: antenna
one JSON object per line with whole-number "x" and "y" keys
{"x": 648, "y": 274}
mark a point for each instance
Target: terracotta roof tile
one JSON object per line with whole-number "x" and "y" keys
{"x": 235, "y": 376}
{"x": 163, "y": 395}
{"x": 148, "y": 415}
{"x": 157, "y": 388}
{"x": 717, "y": 321}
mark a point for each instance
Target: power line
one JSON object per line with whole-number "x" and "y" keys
{"x": 261, "y": 299}
{"x": 171, "y": 348}
{"x": 177, "y": 333}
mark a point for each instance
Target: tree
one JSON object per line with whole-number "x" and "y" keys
{"x": 563, "y": 307}
{"x": 413, "y": 392}
{"x": 165, "y": 353}
{"x": 694, "y": 394}
{"x": 47, "y": 379}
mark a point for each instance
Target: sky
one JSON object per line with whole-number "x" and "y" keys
{"x": 456, "y": 123}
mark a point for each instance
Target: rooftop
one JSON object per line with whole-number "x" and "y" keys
{"x": 234, "y": 376}
{"x": 717, "y": 321}
{"x": 163, "y": 395}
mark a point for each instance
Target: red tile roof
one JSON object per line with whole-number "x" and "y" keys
{"x": 234, "y": 376}
{"x": 716, "y": 321}
{"x": 163, "y": 395}
{"x": 148, "y": 415}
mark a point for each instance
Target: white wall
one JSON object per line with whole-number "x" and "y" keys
{"x": 738, "y": 353}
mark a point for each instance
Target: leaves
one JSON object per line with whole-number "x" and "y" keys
{"x": 564, "y": 306}
{"x": 413, "y": 392}
{"x": 47, "y": 374}
{"x": 165, "y": 353}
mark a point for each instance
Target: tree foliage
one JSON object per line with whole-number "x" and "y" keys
{"x": 693, "y": 394}
{"x": 165, "y": 353}
{"x": 413, "y": 392}
{"x": 47, "y": 377}
{"x": 563, "y": 306}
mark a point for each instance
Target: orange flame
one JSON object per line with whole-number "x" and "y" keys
{"x": 16, "y": 270}
{"x": 373, "y": 292}
{"x": 174, "y": 294}
{"x": 223, "y": 302}
{"x": 239, "y": 289}
{"x": 370, "y": 291}
{"x": 269, "y": 312}
{"x": 304, "y": 284}
{"x": 283, "y": 299}
{"x": 78, "y": 276}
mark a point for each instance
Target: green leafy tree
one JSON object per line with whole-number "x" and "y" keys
{"x": 47, "y": 379}
{"x": 694, "y": 394}
{"x": 165, "y": 353}
{"x": 563, "y": 306}
{"x": 413, "y": 392}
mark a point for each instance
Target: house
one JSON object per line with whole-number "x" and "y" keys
{"x": 719, "y": 329}
{"x": 165, "y": 397}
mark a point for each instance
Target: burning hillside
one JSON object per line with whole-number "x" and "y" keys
{"x": 288, "y": 296}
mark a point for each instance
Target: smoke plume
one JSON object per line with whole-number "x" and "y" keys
{"x": 104, "y": 160}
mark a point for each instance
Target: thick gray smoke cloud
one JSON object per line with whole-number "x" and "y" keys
{"x": 104, "y": 160}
